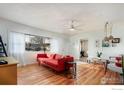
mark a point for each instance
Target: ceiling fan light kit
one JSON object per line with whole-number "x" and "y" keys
{"x": 72, "y": 29}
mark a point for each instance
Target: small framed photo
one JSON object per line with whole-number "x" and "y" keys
{"x": 116, "y": 40}
{"x": 105, "y": 44}
{"x": 97, "y": 43}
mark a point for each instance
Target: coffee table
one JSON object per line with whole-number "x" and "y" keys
{"x": 105, "y": 62}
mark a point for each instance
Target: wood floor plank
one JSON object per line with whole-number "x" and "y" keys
{"x": 88, "y": 74}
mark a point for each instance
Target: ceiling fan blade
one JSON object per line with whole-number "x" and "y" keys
{"x": 73, "y": 26}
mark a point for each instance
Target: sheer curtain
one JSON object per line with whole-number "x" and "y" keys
{"x": 17, "y": 46}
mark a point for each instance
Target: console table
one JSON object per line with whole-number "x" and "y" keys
{"x": 8, "y": 72}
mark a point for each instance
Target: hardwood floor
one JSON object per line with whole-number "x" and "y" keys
{"x": 87, "y": 74}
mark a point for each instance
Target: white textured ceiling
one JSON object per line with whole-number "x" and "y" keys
{"x": 56, "y": 17}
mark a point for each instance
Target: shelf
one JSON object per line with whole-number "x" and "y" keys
{"x": 1, "y": 52}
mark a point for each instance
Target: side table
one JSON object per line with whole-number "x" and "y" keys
{"x": 74, "y": 67}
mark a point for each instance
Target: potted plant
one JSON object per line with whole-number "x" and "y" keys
{"x": 99, "y": 54}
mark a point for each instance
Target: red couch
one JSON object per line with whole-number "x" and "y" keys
{"x": 54, "y": 61}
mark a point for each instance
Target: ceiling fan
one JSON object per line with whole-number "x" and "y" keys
{"x": 73, "y": 26}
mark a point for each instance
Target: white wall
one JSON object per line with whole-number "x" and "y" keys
{"x": 92, "y": 36}
{"x": 63, "y": 44}
{"x": 75, "y": 42}
{"x": 58, "y": 45}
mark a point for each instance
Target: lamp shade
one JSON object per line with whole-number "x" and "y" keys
{"x": 106, "y": 39}
{"x": 111, "y": 37}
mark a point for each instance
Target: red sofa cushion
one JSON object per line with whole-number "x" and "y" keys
{"x": 57, "y": 56}
{"x": 43, "y": 59}
{"x": 42, "y": 56}
{"x": 52, "y": 62}
{"x": 52, "y": 56}
{"x": 118, "y": 62}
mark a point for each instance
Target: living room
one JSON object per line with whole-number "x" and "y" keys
{"x": 62, "y": 26}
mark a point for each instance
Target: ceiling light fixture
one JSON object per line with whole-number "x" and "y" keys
{"x": 72, "y": 28}
{"x": 108, "y": 29}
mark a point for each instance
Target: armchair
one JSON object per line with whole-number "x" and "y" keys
{"x": 116, "y": 64}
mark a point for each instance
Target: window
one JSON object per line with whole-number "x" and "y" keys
{"x": 37, "y": 43}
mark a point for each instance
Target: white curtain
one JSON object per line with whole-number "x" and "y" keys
{"x": 17, "y": 46}
{"x": 54, "y": 46}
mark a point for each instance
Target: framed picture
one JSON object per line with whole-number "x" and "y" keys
{"x": 116, "y": 40}
{"x": 97, "y": 43}
{"x": 37, "y": 43}
{"x": 105, "y": 44}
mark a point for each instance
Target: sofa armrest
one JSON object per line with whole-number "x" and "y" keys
{"x": 69, "y": 59}
{"x": 61, "y": 61}
{"x": 42, "y": 56}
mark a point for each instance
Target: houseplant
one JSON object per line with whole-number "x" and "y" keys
{"x": 99, "y": 54}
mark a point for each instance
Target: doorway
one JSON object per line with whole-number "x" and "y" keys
{"x": 83, "y": 50}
